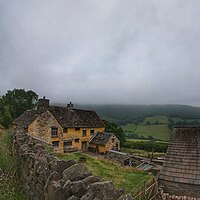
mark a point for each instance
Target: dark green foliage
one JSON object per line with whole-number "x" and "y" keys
{"x": 147, "y": 146}
{"x": 182, "y": 122}
{"x": 14, "y": 103}
{"x": 118, "y": 131}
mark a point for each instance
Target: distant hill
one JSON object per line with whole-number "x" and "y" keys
{"x": 123, "y": 114}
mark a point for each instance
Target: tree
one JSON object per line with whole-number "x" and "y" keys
{"x": 14, "y": 103}
{"x": 118, "y": 131}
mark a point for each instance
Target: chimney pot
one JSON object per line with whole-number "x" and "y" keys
{"x": 70, "y": 105}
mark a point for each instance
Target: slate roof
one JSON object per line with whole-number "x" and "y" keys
{"x": 68, "y": 118}
{"x": 26, "y": 118}
{"x": 76, "y": 118}
{"x": 101, "y": 138}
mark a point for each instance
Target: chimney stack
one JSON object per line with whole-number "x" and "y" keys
{"x": 43, "y": 104}
{"x": 70, "y": 105}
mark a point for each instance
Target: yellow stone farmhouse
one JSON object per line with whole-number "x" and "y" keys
{"x": 67, "y": 128}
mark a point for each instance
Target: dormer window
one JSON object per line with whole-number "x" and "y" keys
{"x": 54, "y": 131}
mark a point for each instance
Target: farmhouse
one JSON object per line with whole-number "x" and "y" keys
{"x": 65, "y": 128}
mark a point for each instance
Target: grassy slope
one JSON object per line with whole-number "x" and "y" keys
{"x": 161, "y": 132}
{"x": 160, "y": 119}
{"x": 10, "y": 188}
{"x": 126, "y": 178}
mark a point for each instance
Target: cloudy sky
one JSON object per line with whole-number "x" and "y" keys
{"x": 102, "y": 51}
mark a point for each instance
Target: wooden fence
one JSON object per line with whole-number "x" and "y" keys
{"x": 147, "y": 192}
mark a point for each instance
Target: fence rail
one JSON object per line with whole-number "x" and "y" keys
{"x": 147, "y": 192}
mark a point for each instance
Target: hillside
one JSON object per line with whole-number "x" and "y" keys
{"x": 155, "y": 127}
{"x": 123, "y": 114}
{"x": 147, "y": 121}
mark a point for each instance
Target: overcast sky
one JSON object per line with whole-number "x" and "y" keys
{"x": 102, "y": 51}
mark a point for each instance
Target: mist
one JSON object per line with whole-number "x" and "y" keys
{"x": 102, "y": 52}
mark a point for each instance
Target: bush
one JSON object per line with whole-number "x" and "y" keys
{"x": 147, "y": 146}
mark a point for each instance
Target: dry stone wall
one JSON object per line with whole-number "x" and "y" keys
{"x": 46, "y": 178}
{"x": 166, "y": 196}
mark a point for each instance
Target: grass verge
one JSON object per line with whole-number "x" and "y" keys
{"x": 122, "y": 177}
{"x": 10, "y": 186}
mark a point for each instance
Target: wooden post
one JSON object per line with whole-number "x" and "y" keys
{"x": 145, "y": 187}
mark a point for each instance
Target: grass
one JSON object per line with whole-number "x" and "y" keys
{"x": 159, "y": 131}
{"x": 159, "y": 119}
{"x": 122, "y": 177}
{"x": 136, "y": 140}
{"x": 10, "y": 186}
{"x": 138, "y": 152}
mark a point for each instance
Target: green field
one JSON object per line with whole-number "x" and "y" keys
{"x": 138, "y": 152}
{"x": 122, "y": 177}
{"x": 157, "y": 128}
{"x": 161, "y": 132}
{"x": 159, "y": 119}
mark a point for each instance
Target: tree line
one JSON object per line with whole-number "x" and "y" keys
{"x": 14, "y": 103}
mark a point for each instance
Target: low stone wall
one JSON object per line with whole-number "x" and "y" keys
{"x": 120, "y": 157}
{"x": 166, "y": 196}
{"x": 46, "y": 178}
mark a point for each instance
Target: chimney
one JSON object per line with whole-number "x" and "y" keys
{"x": 43, "y": 104}
{"x": 70, "y": 105}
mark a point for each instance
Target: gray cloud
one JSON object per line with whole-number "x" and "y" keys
{"x": 134, "y": 51}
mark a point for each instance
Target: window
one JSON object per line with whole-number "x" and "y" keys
{"x": 84, "y": 132}
{"x": 113, "y": 140}
{"x": 55, "y": 144}
{"x": 65, "y": 130}
{"x": 77, "y": 129}
{"x": 67, "y": 143}
{"x": 77, "y": 140}
{"x": 54, "y": 132}
{"x": 91, "y": 132}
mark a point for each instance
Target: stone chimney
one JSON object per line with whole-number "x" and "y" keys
{"x": 43, "y": 104}
{"x": 70, "y": 105}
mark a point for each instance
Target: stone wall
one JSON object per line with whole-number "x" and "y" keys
{"x": 166, "y": 196}
{"x": 46, "y": 178}
{"x": 120, "y": 157}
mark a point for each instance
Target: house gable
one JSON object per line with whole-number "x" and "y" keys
{"x": 104, "y": 142}
{"x": 41, "y": 127}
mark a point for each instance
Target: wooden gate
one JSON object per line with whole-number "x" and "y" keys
{"x": 147, "y": 192}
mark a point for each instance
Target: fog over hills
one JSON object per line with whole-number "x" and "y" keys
{"x": 128, "y": 113}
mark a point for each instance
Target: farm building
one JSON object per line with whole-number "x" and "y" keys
{"x": 103, "y": 142}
